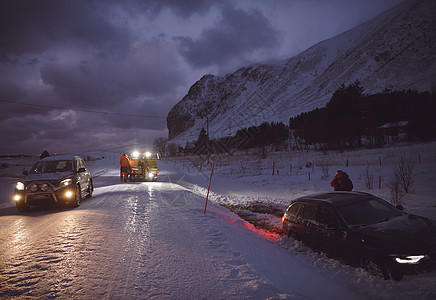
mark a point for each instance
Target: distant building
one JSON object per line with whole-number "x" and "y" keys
{"x": 393, "y": 132}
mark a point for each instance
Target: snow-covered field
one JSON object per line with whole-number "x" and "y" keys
{"x": 152, "y": 240}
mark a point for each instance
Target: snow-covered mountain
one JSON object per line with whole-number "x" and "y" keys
{"x": 395, "y": 50}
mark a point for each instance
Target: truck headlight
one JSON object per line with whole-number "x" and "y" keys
{"x": 150, "y": 175}
{"x": 66, "y": 182}
{"x": 20, "y": 186}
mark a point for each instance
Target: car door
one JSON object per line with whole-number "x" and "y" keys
{"x": 291, "y": 223}
{"x": 83, "y": 177}
{"x": 307, "y": 219}
{"x": 331, "y": 235}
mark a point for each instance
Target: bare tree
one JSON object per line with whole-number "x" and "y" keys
{"x": 172, "y": 149}
{"x": 160, "y": 145}
{"x": 368, "y": 178}
{"x": 395, "y": 190}
{"x": 325, "y": 172}
{"x": 404, "y": 172}
{"x": 262, "y": 152}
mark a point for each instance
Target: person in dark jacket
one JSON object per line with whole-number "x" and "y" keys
{"x": 44, "y": 154}
{"x": 342, "y": 182}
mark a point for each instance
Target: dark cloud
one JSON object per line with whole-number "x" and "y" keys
{"x": 72, "y": 54}
{"x": 238, "y": 34}
{"x": 148, "y": 69}
{"x": 33, "y": 26}
{"x": 184, "y": 8}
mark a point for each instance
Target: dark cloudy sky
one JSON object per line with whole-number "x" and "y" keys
{"x": 135, "y": 59}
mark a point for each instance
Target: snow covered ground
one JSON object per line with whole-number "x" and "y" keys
{"x": 152, "y": 240}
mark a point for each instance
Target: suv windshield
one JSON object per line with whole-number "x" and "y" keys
{"x": 52, "y": 166}
{"x": 367, "y": 211}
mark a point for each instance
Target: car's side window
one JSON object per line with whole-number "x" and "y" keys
{"x": 327, "y": 217}
{"x": 82, "y": 164}
{"x": 309, "y": 212}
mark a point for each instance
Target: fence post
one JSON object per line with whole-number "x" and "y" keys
{"x": 208, "y": 189}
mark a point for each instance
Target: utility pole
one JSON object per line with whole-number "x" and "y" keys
{"x": 208, "y": 140}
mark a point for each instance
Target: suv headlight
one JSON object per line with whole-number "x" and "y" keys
{"x": 66, "y": 182}
{"x": 20, "y": 186}
{"x": 33, "y": 187}
{"x": 44, "y": 187}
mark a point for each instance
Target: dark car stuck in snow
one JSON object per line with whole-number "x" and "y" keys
{"x": 54, "y": 179}
{"x": 363, "y": 231}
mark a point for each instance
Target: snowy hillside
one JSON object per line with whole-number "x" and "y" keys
{"x": 394, "y": 50}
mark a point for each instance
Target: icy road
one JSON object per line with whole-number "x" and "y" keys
{"x": 147, "y": 240}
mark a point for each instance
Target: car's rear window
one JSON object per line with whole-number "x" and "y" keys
{"x": 367, "y": 211}
{"x": 293, "y": 209}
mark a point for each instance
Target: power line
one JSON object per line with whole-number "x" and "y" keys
{"x": 82, "y": 110}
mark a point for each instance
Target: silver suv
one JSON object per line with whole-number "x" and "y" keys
{"x": 54, "y": 179}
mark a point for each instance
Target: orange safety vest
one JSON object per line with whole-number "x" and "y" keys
{"x": 124, "y": 161}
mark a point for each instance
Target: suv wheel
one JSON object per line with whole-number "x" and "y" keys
{"x": 77, "y": 197}
{"x": 90, "y": 189}
{"x": 21, "y": 206}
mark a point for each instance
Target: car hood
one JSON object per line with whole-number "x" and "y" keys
{"x": 407, "y": 233}
{"x": 48, "y": 176}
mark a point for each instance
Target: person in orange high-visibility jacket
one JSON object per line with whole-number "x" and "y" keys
{"x": 125, "y": 167}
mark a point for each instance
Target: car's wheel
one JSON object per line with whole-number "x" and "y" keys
{"x": 21, "y": 206}
{"x": 90, "y": 189}
{"x": 375, "y": 267}
{"x": 77, "y": 197}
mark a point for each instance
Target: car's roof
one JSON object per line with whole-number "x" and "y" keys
{"x": 336, "y": 198}
{"x": 59, "y": 157}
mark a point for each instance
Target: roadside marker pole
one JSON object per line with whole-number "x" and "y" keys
{"x": 208, "y": 189}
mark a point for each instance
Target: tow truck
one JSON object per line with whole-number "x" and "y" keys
{"x": 143, "y": 166}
